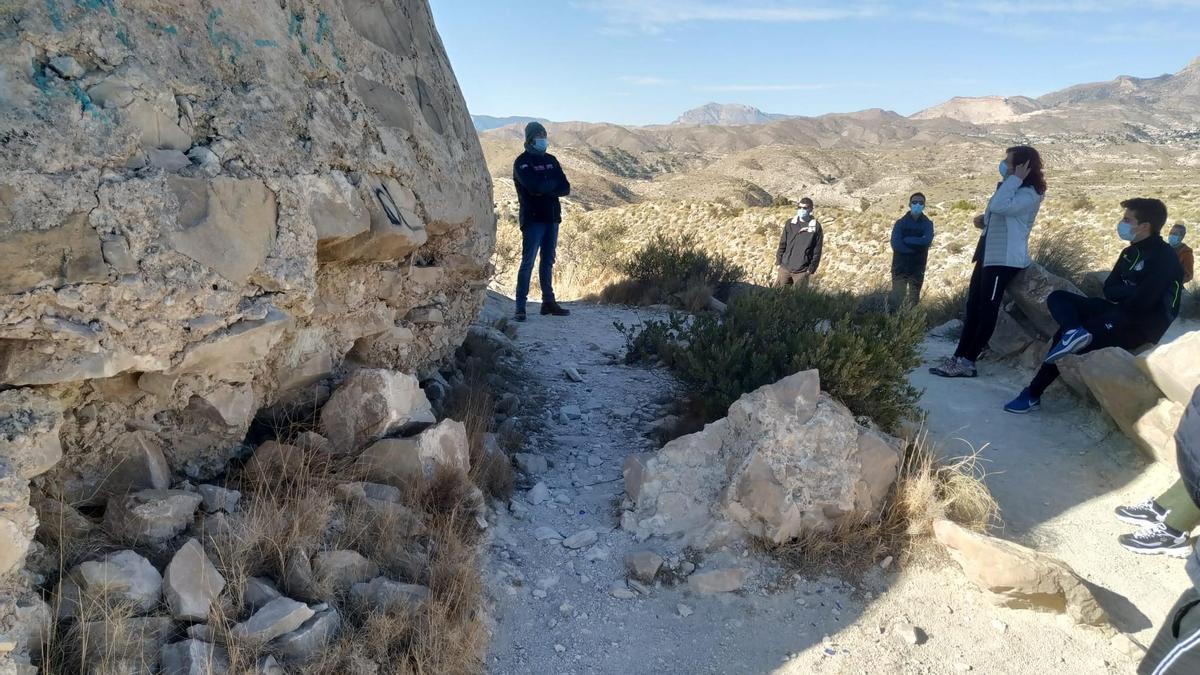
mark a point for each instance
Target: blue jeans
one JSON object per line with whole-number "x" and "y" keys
{"x": 534, "y": 237}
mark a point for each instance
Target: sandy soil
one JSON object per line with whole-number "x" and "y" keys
{"x": 1057, "y": 477}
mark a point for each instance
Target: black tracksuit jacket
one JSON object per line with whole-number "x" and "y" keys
{"x": 1146, "y": 287}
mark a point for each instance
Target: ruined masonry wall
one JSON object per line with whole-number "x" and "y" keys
{"x": 205, "y": 209}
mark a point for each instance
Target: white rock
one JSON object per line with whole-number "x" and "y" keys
{"x": 121, "y": 578}
{"x": 643, "y": 565}
{"x": 684, "y": 610}
{"x": 191, "y": 583}
{"x": 572, "y": 373}
{"x": 382, "y": 594}
{"x": 258, "y": 592}
{"x": 371, "y": 404}
{"x": 194, "y": 657}
{"x": 338, "y": 571}
{"x": 150, "y": 515}
{"x": 538, "y": 494}
{"x": 717, "y": 581}
{"x": 306, "y": 642}
{"x": 532, "y": 465}
{"x": 620, "y": 591}
{"x": 217, "y": 498}
{"x": 278, "y": 617}
{"x": 546, "y": 533}
{"x": 581, "y": 539}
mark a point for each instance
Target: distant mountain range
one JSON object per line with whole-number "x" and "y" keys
{"x": 1129, "y": 108}
{"x": 726, "y": 114}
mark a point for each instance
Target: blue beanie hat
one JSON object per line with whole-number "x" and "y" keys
{"x": 532, "y": 131}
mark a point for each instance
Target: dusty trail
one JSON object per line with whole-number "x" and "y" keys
{"x": 555, "y": 607}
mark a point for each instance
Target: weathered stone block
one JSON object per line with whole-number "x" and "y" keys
{"x": 226, "y": 224}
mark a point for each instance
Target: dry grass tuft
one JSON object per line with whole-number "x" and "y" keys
{"x": 927, "y": 490}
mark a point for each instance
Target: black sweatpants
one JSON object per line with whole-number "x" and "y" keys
{"x": 984, "y": 296}
{"x": 1099, "y": 317}
{"x": 1176, "y": 648}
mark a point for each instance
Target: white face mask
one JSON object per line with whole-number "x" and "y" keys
{"x": 802, "y": 213}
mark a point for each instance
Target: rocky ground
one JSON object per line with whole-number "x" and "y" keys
{"x": 565, "y": 601}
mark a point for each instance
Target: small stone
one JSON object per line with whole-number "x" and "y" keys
{"x": 191, "y": 583}
{"x": 717, "y": 581}
{"x": 683, "y": 610}
{"x": 597, "y": 553}
{"x": 562, "y": 497}
{"x": 198, "y": 657}
{"x": 530, "y": 464}
{"x": 306, "y": 642}
{"x": 545, "y": 533}
{"x": 383, "y": 594}
{"x": 594, "y": 461}
{"x": 67, "y": 66}
{"x": 278, "y": 617}
{"x": 539, "y": 593}
{"x": 258, "y": 592}
{"x": 960, "y": 667}
{"x": 999, "y": 625}
{"x": 643, "y": 565}
{"x": 628, "y": 521}
{"x": 218, "y": 498}
{"x": 121, "y": 578}
{"x": 638, "y": 586}
{"x": 581, "y": 539}
{"x": 909, "y": 633}
{"x": 687, "y": 567}
{"x": 150, "y": 515}
{"x": 887, "y": 562}
{"x": 566, "y": 609}
{"x": 572, "y": 373}
{"x": 538, "y": 494}
{"x": 559, "y": 648}
{"x": 571, "y": 412}
{"x": 338, "y": 571}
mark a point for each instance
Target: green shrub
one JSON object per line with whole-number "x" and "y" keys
{"x": 863, "y": 354}
{"x": 1083, "y": 203}
{"x": 962, "y": 205}
{"x": 673, "y": 271}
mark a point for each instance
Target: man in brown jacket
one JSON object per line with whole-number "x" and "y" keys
{"x": 1178, "y": 232}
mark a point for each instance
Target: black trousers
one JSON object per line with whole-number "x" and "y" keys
{"x": 984, "y": 296}
{"x": 1099, "y": 317}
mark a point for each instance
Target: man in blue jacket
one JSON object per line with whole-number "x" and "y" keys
{"x": 911, "y": 237}
{"x": 540, "y": 183}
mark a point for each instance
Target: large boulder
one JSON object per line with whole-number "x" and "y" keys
{"x": 786, "y": 460}
{"x": 1127, "y": 394}
{"x": 370, "y": 404}
{"x": 1030, "y": 288}
{"x": 402, "y": 461}
{"x": 29, "y": 431}
{"x": 1175, "y": 367}
{"x": 1019, "y": 577}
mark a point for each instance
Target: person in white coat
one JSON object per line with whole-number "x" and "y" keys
{"x": 1003, "y": 251}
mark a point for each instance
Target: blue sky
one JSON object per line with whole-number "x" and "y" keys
{"x": 646, "y": 61}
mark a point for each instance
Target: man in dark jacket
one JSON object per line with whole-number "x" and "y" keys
{"x": 911, "y": 237}
{"x": 1141, "y": 299}
{"x": 540, "y": 182}
{"x": 1176, "y": 648}
{"x": 799, "y": 252}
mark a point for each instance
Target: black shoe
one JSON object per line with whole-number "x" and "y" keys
{"x": 1157, "y": 538}
{"x": 519, "y": 316}
{"x": 1139, "y": 514}
{"x": 555, "y": 309}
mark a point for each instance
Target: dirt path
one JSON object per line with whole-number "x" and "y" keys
{"x": 555, "y": 607}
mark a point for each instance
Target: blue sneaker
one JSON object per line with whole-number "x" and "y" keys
{"x": 1023, "y": 403}
{"x": 1072, "y": 342}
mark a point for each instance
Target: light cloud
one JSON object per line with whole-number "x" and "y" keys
{"x": 727, "y": 88}
{"x": 644, "y": 80}
{"x": 990, "y": 16}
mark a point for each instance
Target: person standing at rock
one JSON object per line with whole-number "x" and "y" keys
{"x": 911, "y": 238}
{"x": 1176, "y": 648}
{"x": 799, "y": 253}
{"x": 1002, "y": 252}
{"x": 1141, "y": 300}
{"x": 1186, "y": 260}
{"x": 540, "y": 183}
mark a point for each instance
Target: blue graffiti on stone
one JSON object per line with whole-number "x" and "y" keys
{"x": 159, "y": 28}
{"x": 220, "y": 39}
{"x": 322, "y": 31}
{"x": 97, "y": 5}
{"x": 55, "y": 15}
{"x": 265, "y": 43}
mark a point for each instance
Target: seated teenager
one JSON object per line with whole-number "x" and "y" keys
{"x": 1141, "y": 299}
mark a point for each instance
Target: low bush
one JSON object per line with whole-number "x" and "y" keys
{"x": 962, "y": 205}
{"x": 1065, "y": 254}
{"x": 862, "y": 352}
{"x": 673, "y": 271}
